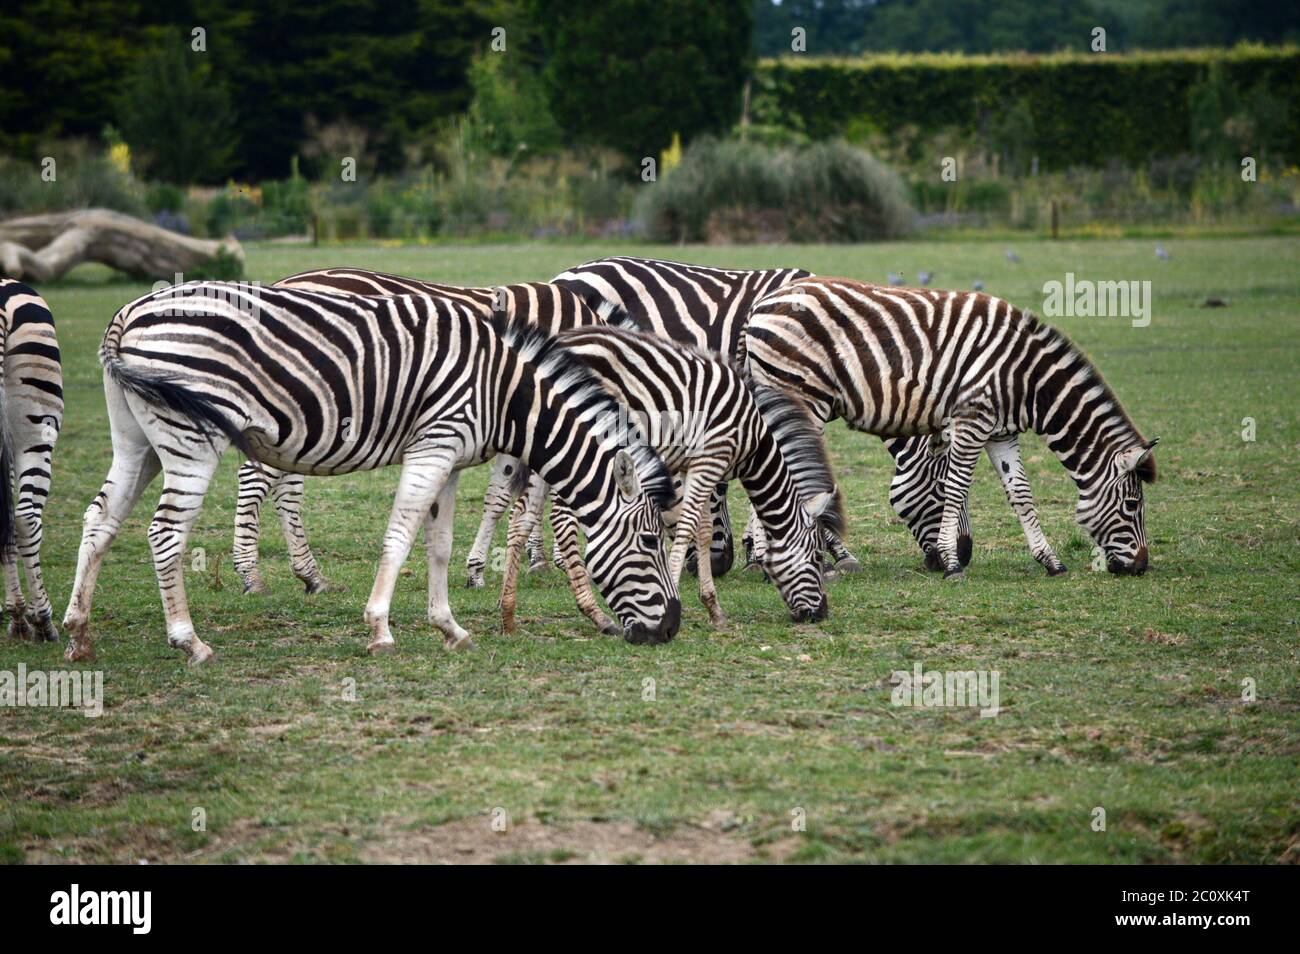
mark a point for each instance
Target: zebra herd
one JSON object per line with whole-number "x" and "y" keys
{"x": 343, "y": 370}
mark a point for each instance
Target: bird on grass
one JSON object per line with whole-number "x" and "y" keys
{"x": 895, "y": 278}
{"x": 924, "y": 277}
{"x": 978, "y": 286}
{"x": 1162, "y": 254}
{"x": 1012, "y": 256}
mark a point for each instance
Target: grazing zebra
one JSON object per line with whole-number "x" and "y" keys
{"x": 697, "y": 412}
{"x": 31, "y": 413}
{"x": 327, "y": 384}
{"x": 689, "y": 304}
{"x": 549, "y": 307}
{"x": 900, "y": 362}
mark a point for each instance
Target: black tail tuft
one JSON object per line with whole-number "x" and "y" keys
{"x": 172, "y": 393}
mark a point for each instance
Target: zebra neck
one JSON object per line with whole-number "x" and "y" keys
{"x": 1075, "y": 411}
{"x": 770, "y": 487}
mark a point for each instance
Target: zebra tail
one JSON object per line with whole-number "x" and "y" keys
{"x": 169, "y": 392}
{"x": 519, "y": 481}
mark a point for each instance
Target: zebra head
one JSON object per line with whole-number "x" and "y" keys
{"x": 626, "y": 560}
{"x": 794, "y": 562}
{"x": 1112, "y": 511}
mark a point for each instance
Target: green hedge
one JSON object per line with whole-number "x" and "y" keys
{"x": 1087, "y": 108}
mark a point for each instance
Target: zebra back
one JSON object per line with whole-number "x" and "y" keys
{"x": 547, "y": 306}
{"x": 691, "y": 304}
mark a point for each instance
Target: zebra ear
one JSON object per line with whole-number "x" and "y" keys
{"x": 818, "y": 504}
{"x": 625, "y": 476}
{"x": 1130, "y": 459}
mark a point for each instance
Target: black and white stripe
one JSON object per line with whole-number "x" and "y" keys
{"x": 698, "y": 413}
{"x": 317, "y": 383}
{"x": 31, "y": 414}
{"x": 548, "y": 307}
{"x": 689, "y": 304}
{"x": 899, "y": 362}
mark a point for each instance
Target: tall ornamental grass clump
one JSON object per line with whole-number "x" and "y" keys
{"x": 733, "y": 191}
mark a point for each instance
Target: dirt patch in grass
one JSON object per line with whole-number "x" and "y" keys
{"x": 472, "y": 841}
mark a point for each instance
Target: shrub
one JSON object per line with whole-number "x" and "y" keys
{"x": 84, "y": 178}
{"x": 739, "y": 191}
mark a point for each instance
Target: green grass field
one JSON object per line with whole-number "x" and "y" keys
{"x": 1124, "y": 694}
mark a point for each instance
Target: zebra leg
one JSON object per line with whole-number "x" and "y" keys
{"x": 254, "y": 484}
{"x": 708, "y": 592}
{"x": 14, "y": 604}
{"x": 437, "y": 543}
{"x": 843, "y": 560}
{"x": 135, "y": 464}
{"x": 968, "y": 439}
{"x": 536, "y": 554}
{"x": 755, "y": 541}
{"x": 692, "y": 527}
{"x": 420, "y": 483}
{"x": 287, "y": 492}
{"x": 526, "y": 513}
{"x": 185, "y": 483}
{"x": 34, "y": 466}
{"x": 722, "y": 549}
{"x": 496, "y": 501}
{"x": 565, "y": 527}
{"x": 1005, "y": 457}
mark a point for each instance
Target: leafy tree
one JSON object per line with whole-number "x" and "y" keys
{"x": 60, "y": 65}
{"x": 630, "y": 73}
{"x": 176, "y": 116}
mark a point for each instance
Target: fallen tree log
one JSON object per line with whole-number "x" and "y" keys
{"x": 42, "y": 248}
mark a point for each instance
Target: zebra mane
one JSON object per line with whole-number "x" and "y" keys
{"x": 1047, "y": 334}
{"x": 624, "y": 324}
{"x": 580, "y": 389}
{"x": 803, "y": 446}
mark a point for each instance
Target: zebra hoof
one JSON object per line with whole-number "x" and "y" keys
{"x": 44, "y": 629}
{"x": 254, "y": 587}
{"x": 79, "y": 651}
{"x": 200, "y": 653}
{"x": 848, "y": 565}
{"x": 610, "y": 628}
{"x": 382, "y": 647}
{"x": 475, "y": 581}
{"x": 322, "y": 585}
{"x": 458, "y": 643}
{"x": 1059, "y": 570}
{"x": 956, "y": 576}
{"x": 542, "y": 567}
{"x": 964, "y": 549}
{"x": 18, "y": 628}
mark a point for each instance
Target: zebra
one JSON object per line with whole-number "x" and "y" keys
{"x": 327, "y": 384}
{"x": 691, "y": 304}
{"x": 31, "y": 415}
{"x": 900, "y": 362}
{"x": 550, "y": 307}
{"x": 698, "y": 413}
